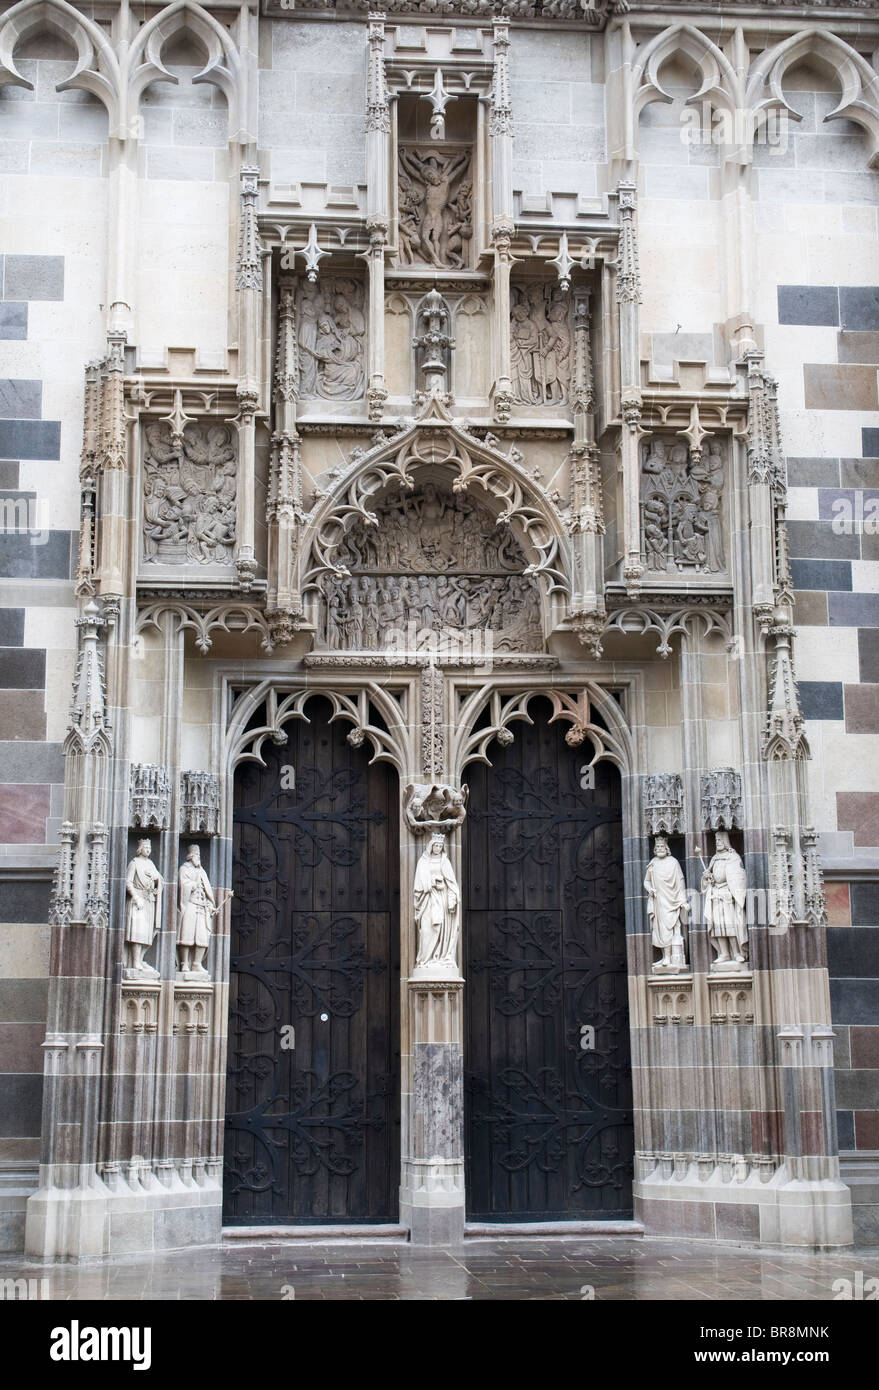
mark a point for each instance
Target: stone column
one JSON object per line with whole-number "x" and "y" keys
{"x": 378, "y": 142}
{"x": 628, "y": 296}
{"x": 432, "y": 1187}
{"x": 249, "y": 288}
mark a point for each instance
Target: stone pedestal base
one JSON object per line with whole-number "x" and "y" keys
{"x": 741, "y": 1200}
{"x": 432, "y": 1188}
{"x": 132, "y": 1212}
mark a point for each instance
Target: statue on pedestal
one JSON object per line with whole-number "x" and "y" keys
{"x": 725, "y": 889}
{"x": 667, "y": 907}
{"x": 437, "y": 913}
{"x": 196, "y": 908}
{"x": 143, "y": 916}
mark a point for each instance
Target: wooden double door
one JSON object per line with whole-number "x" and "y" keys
{"x": 548, "y": 1098}
{"x": 313, "y": 1078}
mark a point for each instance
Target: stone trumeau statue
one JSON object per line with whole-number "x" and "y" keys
{"x": 437, "y": 913}
{"x": 667, "y": 907}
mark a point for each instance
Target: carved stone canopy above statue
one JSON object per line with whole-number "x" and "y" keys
{"x": 190, "y": 487}
{"x": 435, "y": 223}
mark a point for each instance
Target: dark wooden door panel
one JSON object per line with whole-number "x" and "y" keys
{"x": 312, "y": 1114}
{"x": 548, "y": 1114}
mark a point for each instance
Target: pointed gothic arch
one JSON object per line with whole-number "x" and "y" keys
{"x": 858, "y": 80}
{"x": 224, "y": 68}
{"x": 97, "y": 67}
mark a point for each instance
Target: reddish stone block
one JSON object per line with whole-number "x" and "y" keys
{"x": 839, "y": 904}
{"x": 861, "y": 709}
{"x": 867, "y": 1129}
{"x": 767, "y": 1128}
{"x": 865, "y": 1047}
{"x": 859, "y": 812}
{"x": 23, "y": 813}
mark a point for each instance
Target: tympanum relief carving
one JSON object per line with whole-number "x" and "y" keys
{"x": 681, "y": 507}
{"x": 437, "y": 561}
{"x": 435, "y": 223}
{"x": 331, "y": 339}
{"x": 540, "y": 345}
{"x": 190, "y": 485}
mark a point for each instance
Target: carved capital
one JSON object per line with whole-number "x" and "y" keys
{"x": 435, "y": 807}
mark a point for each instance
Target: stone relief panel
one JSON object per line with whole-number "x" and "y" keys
{"x": 540, "y": 345}
{"x": 190, "y": 487}
{"x": 331, "y": 339}
{"x": 681, "y": 507}
{"x": 435, "y": 224}
{"x": 438, "y": 562}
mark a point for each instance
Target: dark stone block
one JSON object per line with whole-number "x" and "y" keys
{"x": 852, "y": 610}
{"x": 847, "y": 509}
{"x": 813, "y": 472}
{"x": 829, "y": 575}
{"x": 21, "y": 560}
{"x": 821, "y": 699}
{"x": 870, "y": 443}
{"x": 11, "y": 627}
{"x": 24, "y": 1001}
{"x": 865, "y": 1047}
{"x": 737, "y": 1221}
{"x": 814, "y": 305}
{"x": 25, "y": 899}
{"x": 34, "y": 277}
{"x": 9, "y": 474}
{"x": 20, "y": 399}
{"x": 818, "y": 540}
{"x": 858, "y": 1090}
{"x": 22, "y": 669}
{"x": 854, "y": 1001}
{"x": 865, "y": 907}
{"x": 868, "y": 654}
{"x": 13, "y": 321}
{"x": 30, "y": 439}
{"x": 22, "y": 1104}
{"x": 859, "y": 308}
{"x": 845, "y": 1125}
{"x": 853, "y": 952}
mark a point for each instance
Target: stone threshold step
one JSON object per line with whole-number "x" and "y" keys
{"x": 261, "y": 1234}
{"x": 493, "y": 1230}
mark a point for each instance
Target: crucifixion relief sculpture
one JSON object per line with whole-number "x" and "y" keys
{"x": 331, "y": 340}
{"x": 540, "y": 345}
{"x": 667, "y": 907}
{"x": 437, "y": 561}
{"x": 190, "y": 485}
{"x": 681, "y": 497}
{"x": 143, "y": 916}
{"x": 435, "y": 222}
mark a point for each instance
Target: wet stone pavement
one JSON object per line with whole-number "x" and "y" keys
{"x": 617, "y": 1269}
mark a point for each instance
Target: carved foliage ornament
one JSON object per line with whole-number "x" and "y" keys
{"x": 190, "y": 486}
